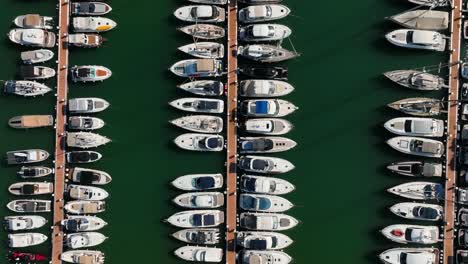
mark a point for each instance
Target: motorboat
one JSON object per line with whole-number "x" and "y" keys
{"x": 417, "y": 80}
{"x": 25, "y": 239}
{"x": 462, "y": 196}
{"x": 83, "y": 256}
{"x": 261, "y": 164}
{"x": 410, "y": 256}
{"x": 26, "y": 156}
{"x": 422, "y": 19}
{"x": 462, "y": 217}
{"x": 204, "y": 50}
{"x": 431, "y": 3}
{"x": 30, "y": 72}
{"x": 25, "y": 88}
{"x": 34, "y": 21}
{"x": 87, "y": 105}
{"x": 268, "y": 126}
{"x": 92, "y": 24}
{"x": 265, "y": 72}
{"x": 262, "y": 256}
{"x": 83, "y": 40}
{"x": 198, "y": 182}
{"x": 264, "y": 88}
{"x": 83, "y": 223}
{"x": 88, "y": 193}
{"x": 418, "y": 106}
{"x": 204, "y": 31}
{"x": 263, "y": 240}
{"x": 85, "y": 207}
{"x": 267, "y": 221}
{"x": 200, "y": 254}
{"x": 199, "y": 200}
{"x": 264, "y": 203}
{"x": 200, "y": 142}
{"x": 24, "y": 257}
{"x": 84, "y": 239}
{"x": 412, "y": 234}
{"x": 29, "y": 206}
{"x": 418, "y": 146}
{"x": 199, "y": 105}
{"x": 30, "y": 172}
{"x": 198, "y": 68}
{"x": 85, "y": 123}
{"x": 31, "y": 188}
{"x": 24, "y": 222}
{"x": 90, "y": 8}
{"x": 82, "y": 156}
{"x": 266, "y": 53}
{"x": 88, "y": 176}
{"x": 201, "y": 14}
{"x": 85, "y": 140}
{"x": 265, "y": 185}
{"x": 419, "y": 190}
{"x": 207, "y": 236}
{"x": 265, "y": 144}
{"x": 417, "y": 39}
{"x": 418, "y": 211}
{"x": 262, "y": 13}
{"x": 32, "y": 37}
{"x": 200, "y": 123}
{"x": 267, "y": 108}
{"x": 197, "y": 218}
{"x": 210, "y": 2}
{"x": 31, "y": 121}
{"x": 416, "y": 126}
{"x": 417, "y": 168}
{"x": 90, "y": 73}
{"x": 203, "y": 87}
{"x": 264, "y": 32}
{"x": 36, "y": 56}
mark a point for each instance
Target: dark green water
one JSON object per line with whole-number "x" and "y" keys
{"x": 339, "y": 162}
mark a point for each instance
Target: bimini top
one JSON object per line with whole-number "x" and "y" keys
{"x": 261, "y": 107}
{"x": 422, "y": 37}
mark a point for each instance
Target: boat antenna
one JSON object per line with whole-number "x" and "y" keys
{"x": 292, "y": 45}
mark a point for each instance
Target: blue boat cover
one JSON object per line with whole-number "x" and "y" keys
{"x": 261, "y": 107}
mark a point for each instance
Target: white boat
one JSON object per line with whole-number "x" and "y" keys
{"x": 423, "y": 19}
{"x": 82, "y": 156}
{"x": 410, "y": 256}
{"x": 207, "y": 236}
{"x": 417, "y": 146}
{"x": 31, "y": 188}
{"x": 24, "y": 222}
{"x": 82, "y": 223}
{"x": 204, "y": 50}
{"x": 417, "y": 234}
{"x": 25, "y": 88}
{"x": 265, "y": 144}
{"x": 199, "y": 200}
{"x": 85, "y": 207}
{"x": 262, "y": 256}
{"x": 201, "y": 14}
{"x": 268, "y": 126}
{"x": 200, "y": 254}
{"x": 34, "y": 21}
{"x": 418, "y": 211}
{"x": 30, "y": 72}
{"x": 417, "y": 168}
{"x": 32, "y": 37}
{"x": 431, "y": 3}
{"x": 418, "y": 80}
{"x": 90, "y": 73}
{"x": 87, "y": 105}
{"x": 31, "y": 172}
{"x": 267, "y": 108}
{"x": 85, "y": 123}
{"x": 263, "y": 240}
{"x": 260, "y": 164}
{"x": 197, "y": 68}
{"x": 85, "y": 140}
{"x": 198, "y": 182}
{"x": 25, "y": 240}
{"x": 199, "y": 105}
{"x": 418, "y": 106}
{"x": 29, "y": 206}
{"x": 261, "y": 13}
{"x": 200, "y": 142}
{"x": 265, "y": 185}
{"x": 264, "y": 203}
{"x": 204, "y": 31}
{"x": 88, "y": 193}
{"x": 210, "y": 2}
{"x": 416, "y": 126}
{"x": 36, "y": 56}
{"x": 84, "y": 239}
{"x": 92, "y": 24}
{"x": 90, "y": 8}
{"x": 197, "y": 218}
{"x": 83, "y": 40}
{"x": 266, "y": 53}
{"x": 267, "y": 221}
{"x": 264, "y": 32}
{"x": 26, "y": 156}
{"x": 83, "y": 256}
{"x": 264, "y": 88}
{"x": 200, "y": 123}
{"x": 88, "y": 176}
{"x": 417, "y": 39}
{"x": 203, "y": 87}
{"x": 31, "y": 121}
{"x": 419, "y": 190}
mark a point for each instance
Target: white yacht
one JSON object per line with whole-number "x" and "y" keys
{"x": 31, "y": 188}
{"x": 204, "y": 31}
{"x": 92, "y": 24}
{"x": 417, "y": 168}
{"x": 264, "y": 32}
{"x": 31, "y": 72}
{"x": 29, "y": 206}
{"x": 417, "y": 80}
{"x": 85, "y": 123}
{"x": 32, "y": 37}
{"x": 418, "y": 211}
{"x": 267, "y": 108}
{"x": 418, "y": 39}
{"x": 199, "y": 105}
{"x": 264, "y": 203}
{"x": 24, "y": 222}
{"x": 88, "y": 193}
{"x": 260, "y": 164}
{"x": 262, "y": 13}
{"x": 200, "y": 123}
{"x": 268, "y": 126}
{"x": 423, "y": 19}
{"x": 31, "y": 172}
{"x": 34, "y": 21}
{"x": 267, "y": 221}
{"x": 197, "y": 218}
{"x": 36, "y": 56}
{"x": 417, "y": 234}
{"x": 200, "y": 254}
{"x": 25, "y": 240}
{"x": 87, "y": 105}
{"x": 198, "y": 182}
{"x": 26, "y": 156}
{"x": 264, "y": 88}
{"x": 204, "y": 50}
{"x": 88, "y": 176}
{"x": 83, "y": 156}
{"x": 90, "y": 73}
{"x": 85, "y": 40}
{"x": 417, "y": 146}
{"x": 25, "y": 88}
{"x": 201, "y": 14}
{"x": 203, "y": 87}
{"x": 416, "y": 126}
{"x": 201, "y": 236}
{"x": 262, "y": 256}
{"x": 419, "y": 190}
{"x": 263, "y": 240}
{"x": 85, "y": 140}
{"x": 83, "y": 223}
{"x": 85, "y": 207}
{"x": 265, "y": 185}
{"x": 431, "y": 3}
{"x": 90, "y": 8}
{"x": 84, "y": 239}
{"x": 196, "y": 68}
{"x": 265, "y": 144}
{"x": 200, "y": 142}
{"x": 418, "y": 106}
{"x": 200, "y": 200}
{"x": 410, "y": 256}
{"x": 266, "y": 53}
{"x": 83, "y": 256}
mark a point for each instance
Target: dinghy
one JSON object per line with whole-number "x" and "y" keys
{"x": 265, "y": 72}
{"x": 92, "y": 24}
{"x": 200, "y": 123}
{"x": 85, "y": 140}
{"x": 267, "y": 108}
{"x": 417, "y": 39}
{"x": 200, "y": 254}
{"x": 417, "y": 168}
{"x": 85, "y": 123}
{"x": 268, "y": 126}
{"x": 410, "y": 256}
{"x": 265, "y": 144}
{"x": 90, "y": 9}
{"x": 88, "y": 193}
{"x": 31, "y": 121}
{"x": 261, "y": 164}
{"x": 264, "y": 203}
{"x": 36, "y": 56}
{"x": 198, "y": 182}
{"x": 204, "y": 50}
{"x": 90, "y": 73}
{"x": 423, "y": 19}
{"x": 261, "y": 256}
{"x": 85, "y": 40}
{"x": 419, "y": 190}
{"x": 416, "y": 126}
{"x": 84, "y": 239}
{"x": 204, "y": 31}
{"x": 266, "y": 53}
{"x": 264, "y": 88}
{"x": 25, "y": 88}
{"x": 83, "y": 256}
{"x": 83, "y": 156}
{"x": 199, "y": 105}
{"x": 418, "y": 211}
{"x": 32, "y": 37}
{"x": 34, "y": 21}
{"x": 418, "y": 106}
{"x": 25, "y": 240}
{"x": 85, "y": 207}
{"x": 264, "y": 32}
{"x": 30, "y": 72}
{"x": 263, "y": 240}
{"x": 267, "y": 221}
{"x": 195, "y": 68}
{"x": 262, "y": 13}
{"x": 29, "y": 206}
{"x": 31, "y": 172}
{"x": 24, "y": 222}
{"x": 197, "y": 218}
{"x": 265, "y": 185}
{"x": 200, "y": 142}
{"x": 416, "y": 234}
{"x": 31, "y": 188}
{"x": 417, "y": 146}
{"x": 88, "y": 176}
{"x": 200, "y": 200}
{"x": 82, "y": 223}
{"x": 204, "y": 88}
{"x": 417, "y": 80}
{"x": 26, "y": 156}
{"x": 207, "y": 236}
{"x": 201, "y": 14}
{"x": 87, "y": 105}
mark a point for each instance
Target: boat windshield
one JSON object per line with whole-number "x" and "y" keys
{"x": 204, "y": 182}
{"x": 260, "y": 144}
{"x": 249, "y": 184}
{"x": 425, "y": 212}
{"x": 258, "y": 244}
{"x": 88, "y": 177}
{"x": 409, "y": 36}
{"x": 203, "y": 220}
{"x": 213, "y": 143}
{"x": 206, "y": 105}
{"x": 259, "y": 164}
{"x": 403, "y": 257}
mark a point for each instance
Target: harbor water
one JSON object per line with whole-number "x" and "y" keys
{"x": 341, "y": 154}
